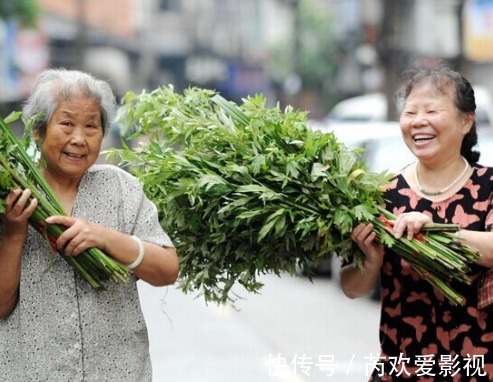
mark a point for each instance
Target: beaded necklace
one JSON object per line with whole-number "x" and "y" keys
{"x": 446, "y": 188}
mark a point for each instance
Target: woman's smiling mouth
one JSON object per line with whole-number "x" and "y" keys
{"x": 418, "y": 138}
{"x": 74, "y": 156}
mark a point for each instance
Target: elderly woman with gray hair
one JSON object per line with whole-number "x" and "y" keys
{"x": 53, "y": 326}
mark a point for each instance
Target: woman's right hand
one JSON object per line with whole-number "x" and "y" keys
{"x": 18, "y": 210}
{"x": 364, "y": 236}
{"x": 357, "y": 282}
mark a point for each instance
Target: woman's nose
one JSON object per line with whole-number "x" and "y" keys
{"x": 419, "y": 119}
{"x": 78, "y": 136}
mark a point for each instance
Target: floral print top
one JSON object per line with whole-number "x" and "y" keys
{"x": 423, "y": 336}
{"x": 63, "y": 330}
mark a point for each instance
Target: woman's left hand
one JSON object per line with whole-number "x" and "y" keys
{"x": 410, "y": 223}
{"x": 79, "y": 236}
{"x": 160, "y": 265}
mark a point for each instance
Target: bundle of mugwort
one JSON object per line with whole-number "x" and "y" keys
{"x": 19, "y": 168}
{"x": 246, "y": 189}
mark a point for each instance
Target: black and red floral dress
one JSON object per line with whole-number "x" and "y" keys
{"x": 423, "y": 336}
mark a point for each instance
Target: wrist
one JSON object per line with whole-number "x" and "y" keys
{"x": 15, "y": 235}
{"x": 140, "y": 255}
{"x": 372, "y": 265}
{"x": 458, "y": 236}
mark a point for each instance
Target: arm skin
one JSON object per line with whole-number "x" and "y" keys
{"x": 481, "y": 242}
{"x": 357, "y": 282}
{"x": 15, "y": 220}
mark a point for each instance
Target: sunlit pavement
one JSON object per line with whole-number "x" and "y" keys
{"x": 294, "y": 331}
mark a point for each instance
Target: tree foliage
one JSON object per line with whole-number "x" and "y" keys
{"x": 25, "y": 11}
{"x": 311, "y": 52}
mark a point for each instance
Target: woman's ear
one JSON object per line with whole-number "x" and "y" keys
{"x": 37, "y": 138}
{"x": 468, "y": 121}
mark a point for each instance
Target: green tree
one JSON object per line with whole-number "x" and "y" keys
{"x": 310, "y": 53}
{"x": 25, "y": 11}
{"x": 316, "y": 47}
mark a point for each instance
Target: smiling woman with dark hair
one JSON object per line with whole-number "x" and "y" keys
{"x": 53, "y": 326}
{"x": 422, "y": 332}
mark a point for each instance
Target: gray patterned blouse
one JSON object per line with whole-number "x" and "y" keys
{"x": 61, "y": 329}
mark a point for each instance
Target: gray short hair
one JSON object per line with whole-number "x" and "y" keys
{"x": 56, "y": 85}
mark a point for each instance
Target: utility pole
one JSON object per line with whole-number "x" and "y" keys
{"x": 390, "y": 48}
{"x": 293, "y": 84}
{"x": 81, "y": 38}
{"x": 460, "y": 60}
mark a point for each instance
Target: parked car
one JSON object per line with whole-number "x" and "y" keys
{"x": 364, "y": 108}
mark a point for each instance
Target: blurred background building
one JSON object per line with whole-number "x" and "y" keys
{"x": 309, "y": 53}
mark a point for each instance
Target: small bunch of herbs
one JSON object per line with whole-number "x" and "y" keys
{"x": 247, "y": 190}
{"x": 18, "y": 169}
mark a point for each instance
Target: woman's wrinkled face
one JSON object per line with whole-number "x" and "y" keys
{"x": 432, "y": 126}
{"x": 73, "y": 138}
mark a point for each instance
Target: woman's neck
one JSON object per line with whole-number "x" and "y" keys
{"x": 65, "y": 189}
{"x": 437, "y": 184}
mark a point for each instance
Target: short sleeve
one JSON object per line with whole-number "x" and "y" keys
{"x": 142, "y": 215}
{"x": 110, "y": 196}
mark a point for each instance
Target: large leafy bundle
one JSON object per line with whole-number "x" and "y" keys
{"x": 249, "y": 190}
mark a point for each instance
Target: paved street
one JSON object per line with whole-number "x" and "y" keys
{"x": 294, "y": 331}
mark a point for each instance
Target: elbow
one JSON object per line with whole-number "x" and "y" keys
{"x": 354, "y": 291}
{"x": 169, "y": 271}
{"x": 350, "y": 294}
{"x": 352, "y": 284}
{"x": 348, "y": 291}
{"x": 173, "y": 268}
{"x": 171, "y": 275}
